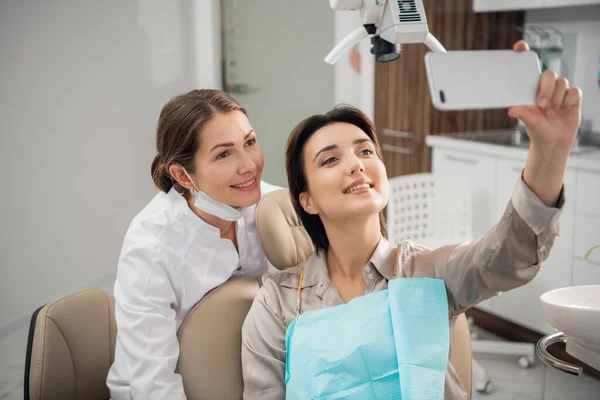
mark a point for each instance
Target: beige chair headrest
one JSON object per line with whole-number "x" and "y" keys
{"x": 284, "y": 240}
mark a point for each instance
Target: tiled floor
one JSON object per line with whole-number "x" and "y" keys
{"x": 536, "y": 383}
{"x": 509, "y": 380}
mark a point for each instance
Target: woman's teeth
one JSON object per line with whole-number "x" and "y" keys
{"x": 353, "y": 188}
{"x": 243, "y": 185}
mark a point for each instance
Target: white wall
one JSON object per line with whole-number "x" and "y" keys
{"x": 585, "y": 22}
{"x": 276, "y": 48}
{"x": 346, "y": 83}
{"x": 350, "y": 87}
{"x": 81, "y": 87}
{"x": 206, "y": 26}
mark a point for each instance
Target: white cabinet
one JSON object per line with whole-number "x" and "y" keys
{"x": 587, "y": 229}
{"x": 493, "y": 175}
{"x": 513, "y": 5}
{"x": 508, "y": 173}
{"x": 481, "y": 172}
{"x": 587, "y": 235}
{"x": 586, "y": 273}
{"x": 504, "y": 5}
{"x": 522, "y": 305}
{"x": 566, "y": 3}
{"x": 588, "y": 194}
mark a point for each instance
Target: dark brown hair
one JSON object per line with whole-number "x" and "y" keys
{"x": 179, "y": 128}
{"x": 294, "y": 164}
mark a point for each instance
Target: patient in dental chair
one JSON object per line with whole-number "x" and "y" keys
{"x": 328, "y": 328}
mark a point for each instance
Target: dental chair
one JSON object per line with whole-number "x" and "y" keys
{"x": 72, "y": 340}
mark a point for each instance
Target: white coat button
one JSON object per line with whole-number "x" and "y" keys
{"x": 368, "y": 268}
{"x": 370, "y": 276}
{"x": 543, "y": 248}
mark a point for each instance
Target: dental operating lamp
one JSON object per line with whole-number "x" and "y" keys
{"x": 389, "y": 24}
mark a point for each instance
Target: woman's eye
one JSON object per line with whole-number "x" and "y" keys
{"x": 223, "y": 155}
{"x": 366, "y": 152}
{"x": 328, "y": 160}
{"x": 250, "y": 142}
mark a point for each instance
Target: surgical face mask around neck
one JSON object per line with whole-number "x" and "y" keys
{"x": 213, "y": 207}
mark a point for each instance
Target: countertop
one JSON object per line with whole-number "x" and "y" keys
{"x": 588, "y": 160}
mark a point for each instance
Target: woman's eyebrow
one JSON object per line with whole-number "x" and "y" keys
{"x": 326, "y": 148}
{"x": 362, "y": 140}
{"x": 230, "y": 144}
{"x": 335, "y": 146}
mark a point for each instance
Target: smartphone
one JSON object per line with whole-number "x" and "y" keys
{"x": 482, "y": 79}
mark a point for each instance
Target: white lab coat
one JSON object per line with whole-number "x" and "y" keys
{"x": 170, "y": 259}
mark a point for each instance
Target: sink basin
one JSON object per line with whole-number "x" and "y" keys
{"x": 575, "y": 311}
{"x": 585, "y": 143}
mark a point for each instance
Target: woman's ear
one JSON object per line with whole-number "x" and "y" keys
{"x": 180, "y": 176}
{"x": 307, "y": 203}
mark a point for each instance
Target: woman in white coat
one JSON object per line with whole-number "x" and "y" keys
{"x": 197, "y": 233}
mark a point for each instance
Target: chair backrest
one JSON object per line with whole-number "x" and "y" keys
{"x": 460, "y": 351}
{"x": 71, "y": 347}
{"x": 432, "y": 210}
{"x": 210, "y": 340}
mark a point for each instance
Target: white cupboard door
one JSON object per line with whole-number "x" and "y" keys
{"x": 480, "y": 170}
{"x": 586, "y": 272}
{"x": 587, "y": 235}
{"x": 508, "y": 173}
{"x": 588, "y": 193}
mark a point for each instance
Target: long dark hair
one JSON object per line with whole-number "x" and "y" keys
{"x": 294, "y": 164}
